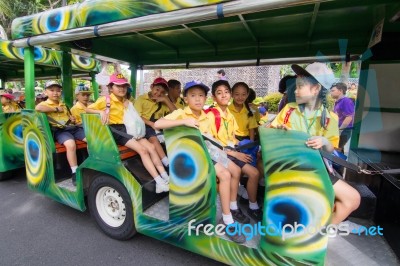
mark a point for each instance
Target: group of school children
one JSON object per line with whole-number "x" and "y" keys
{"x": 8, "y": 102}
{"x": 162, "y": 107}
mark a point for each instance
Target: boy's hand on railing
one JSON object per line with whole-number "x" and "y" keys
{"x": 191, "y": 122}
{"x": 282, "y": 126}
{"x": 316, "y": 142}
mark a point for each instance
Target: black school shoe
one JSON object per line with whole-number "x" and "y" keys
{"x": 240, "y": 217}
{"x": 257, "y": 214}
{"x": 237, "y": 238}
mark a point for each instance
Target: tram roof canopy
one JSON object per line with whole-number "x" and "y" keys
{"x": 253, "y": 32}
{"x": 48, "y": 63}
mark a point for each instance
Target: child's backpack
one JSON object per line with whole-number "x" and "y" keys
{"x": 217, "y": 116}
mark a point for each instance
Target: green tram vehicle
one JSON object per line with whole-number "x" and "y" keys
{"x": 170, "y": 34}
{"x": 48, "y": 65}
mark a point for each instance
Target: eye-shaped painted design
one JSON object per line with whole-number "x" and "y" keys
{"x": 35, "y": 159}
{"x": 51, "y": 21}
{"x": 80, "y": 62}
{"x": 188, "y": 170}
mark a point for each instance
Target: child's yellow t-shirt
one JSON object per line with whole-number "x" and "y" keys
{"x": 61, "y": 118}
{"x": 179, "y": 114}
{"x": 227, "y": 129}
{"x": 296, "y": 121}
{"x": 116, "y": 108}
{"x": 146, "y": 107}
{"x": 77, "y": 110}
{"x": 245, "y": 123}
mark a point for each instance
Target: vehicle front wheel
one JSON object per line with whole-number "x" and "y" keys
{"x": 111, "y": 207}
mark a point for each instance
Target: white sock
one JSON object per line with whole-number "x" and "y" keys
{"x": 165, "y": 161}
{"x": 165, "y": 176}
{"x": 159, "y": 180}
{"x": 227, "y": 218}
{"x": 233, "y": 205}
{"x": 73, "y": 169}
{"x": 253, "y": 205}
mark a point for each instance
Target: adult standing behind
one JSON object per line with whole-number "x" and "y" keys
{"x": 344, "y": 108}
{"x": 221, "y": 74}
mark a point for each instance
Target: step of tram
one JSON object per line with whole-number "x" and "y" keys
{"x": 368, "y": 202}
{"x": 149, "y": 195}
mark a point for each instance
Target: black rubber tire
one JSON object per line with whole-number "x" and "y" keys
{"x": 123, "y": 232}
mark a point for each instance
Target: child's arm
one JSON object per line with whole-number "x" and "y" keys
{"x": 167, "y": 101}
{"x": 163, "y": 123}
{"x": 103, "y": 114}
{"x": 47, "y": 109}
{"x": 318, "y": 142}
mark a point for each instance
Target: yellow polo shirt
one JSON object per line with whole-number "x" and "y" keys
{"x": 11, "y": 108}
{"x": 61, "y": 118}
{"x": 227, "y": 129}
{"x": 77, "y": 110}
{"x": 179, "y": 114}
{"x": 243, "y": 120}
{"x": 116, "y": 108}
{"x": 297, "y": 122}
{"x": 180, "y": 103}
{"x": 146, "y": 107}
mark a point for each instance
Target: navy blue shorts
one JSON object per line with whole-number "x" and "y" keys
{"x": 236, "y": 161}
{"x": 150, "y": 132}
{"x": 63, "y": 134}
{"x": 120, "y": 139}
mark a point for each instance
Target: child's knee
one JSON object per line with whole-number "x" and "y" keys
{"x": 224, "y": 176}
{"x": 70, "y": 144}
{"x": 142, "y": 151}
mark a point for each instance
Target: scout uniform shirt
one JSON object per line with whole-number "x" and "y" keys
{"x": 117, "y": 108}
{"x": 11, "y": 108}
{"x": 243, "y": 120}
{"x": 77, "y": 110}
{"x": 227, "y": 129}
{"x": 146, "y": 107}
{"x": 179, "y": 114}
{"x": 60, "y": 117}
{"x": 311, "y": 125}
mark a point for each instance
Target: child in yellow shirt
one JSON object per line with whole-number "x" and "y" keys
{"x": 113, "y": 115}
{"x": 8, "y": 104}
{"x": 82, "y": 94}
{"x": 195, "y": 94}
{"x": 59, "y": 117}
{"x": 152, "y": 106}
{"x": 310, "y": 114}
{"x": 221, "y": 92}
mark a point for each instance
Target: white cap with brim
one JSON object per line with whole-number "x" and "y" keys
{"x": 52, "y": 83}
{"x": 319, "y": 71}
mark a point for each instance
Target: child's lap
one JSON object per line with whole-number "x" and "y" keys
{"x": 120, "y": 139}
{"x": 62, "y": 135}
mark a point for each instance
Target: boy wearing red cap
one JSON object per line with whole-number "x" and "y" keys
{"x": 152, "y": 106}
{"x": 7, "y": 103}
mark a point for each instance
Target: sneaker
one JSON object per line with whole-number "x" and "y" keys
{"x": 237, "y": 238}
{"x": 162, "y": 188}
{"x": 354, "y": 228}
{"x": 240, "y": 217}
{"x": 257, "y": 214}
{"x": 73, "y": 177}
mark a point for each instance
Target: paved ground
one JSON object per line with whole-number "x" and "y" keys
{"x": 35, "y": 230}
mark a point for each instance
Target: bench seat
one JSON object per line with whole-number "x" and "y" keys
{"x": 124, "y": 151}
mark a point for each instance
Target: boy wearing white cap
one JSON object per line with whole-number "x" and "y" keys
{"x": 82, "y": 93}
{"x": 310, "y": 114}
{"x": 60, "y": 118}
